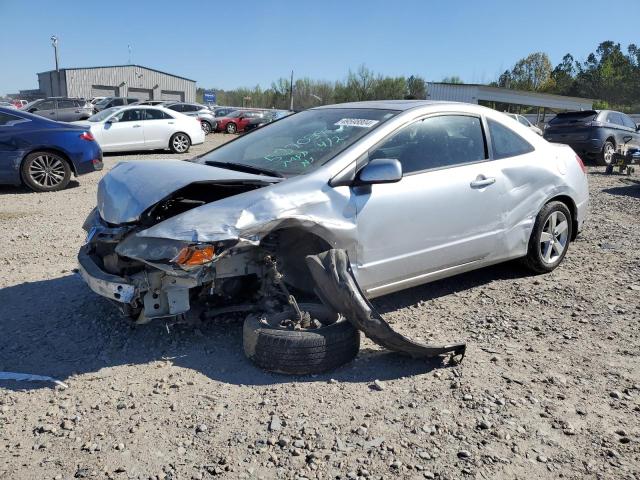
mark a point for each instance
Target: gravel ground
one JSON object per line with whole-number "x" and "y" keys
{"x": 550, "y": 387}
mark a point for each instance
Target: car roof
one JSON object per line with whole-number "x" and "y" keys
{"x": 388, "y": 104}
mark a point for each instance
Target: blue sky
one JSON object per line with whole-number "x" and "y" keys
{"x": 250, "y": 42}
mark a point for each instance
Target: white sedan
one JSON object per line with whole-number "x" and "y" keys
{"x": 140, "y": 127}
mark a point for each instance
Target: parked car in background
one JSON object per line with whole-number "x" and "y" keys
{"x": 60, "y": 108}
{"x": 8, "y": 105}
{"x": 136, "y": 127}
{"x": 152, "y": 102}
{"x": 269, "y": 116}
{"x": 19, "y": 103}
{"x": 224, "y": 111}
{"x": 594, "y": 134}
{"x": 206, "y": 117}
{"x": 43, "y": 154}
{"x": 237, "y": 121}
{"x": 414, "y": 191}
{"x": 524, "y": 121}
{"x": 94, "y": 100}
{"x": 109, "y": 102}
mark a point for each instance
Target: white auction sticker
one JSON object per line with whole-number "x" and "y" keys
{"x": 356, "y": 122}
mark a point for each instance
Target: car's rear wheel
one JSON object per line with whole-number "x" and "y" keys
{"x": 231, "y": 127}
{"x": 179, "y": 143}
{"x": 606, "y": 155}
{"x": 550, "y": 238}
{"x": 45, "y": 172}
{"x": 274, "y": 343}
{"x": 206, "y": 127}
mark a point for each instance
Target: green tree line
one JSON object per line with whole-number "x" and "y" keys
{"x": 362, "y": 84}
{"x": 609, "y": 75}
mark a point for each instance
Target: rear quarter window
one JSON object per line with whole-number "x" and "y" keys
{"x": 505, "y": 142}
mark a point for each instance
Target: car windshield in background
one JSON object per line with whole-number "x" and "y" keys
{"x": 100, "y": 116}
{"x": 300, "y": 143}
{"x": 570, "y": 118}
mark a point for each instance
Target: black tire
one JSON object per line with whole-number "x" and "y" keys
{"x": 179, "y": 143}
{"x": 535, "y": 259}
{"x": 300, "y": 352}
{"x": 45, "y": 172}
{"x": 206, "y": 127}
{"x": 231, "y": 127}
{"x": 604, "y": 158}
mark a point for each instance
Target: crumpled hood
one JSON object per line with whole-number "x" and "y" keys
{"x": 132, "y": 187}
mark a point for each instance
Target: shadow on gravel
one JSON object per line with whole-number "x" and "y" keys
{"x": 21, "y": 189}
{"x": 630, "y": 188}
{"x": 59, "y": 328}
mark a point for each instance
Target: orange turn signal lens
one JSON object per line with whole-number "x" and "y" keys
{"x": 194, "y": 255}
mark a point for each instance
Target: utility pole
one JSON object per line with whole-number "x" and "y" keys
{"x": 291, "y": 92}
{"x": 54, "y": 44}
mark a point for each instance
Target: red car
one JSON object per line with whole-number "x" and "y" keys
{"x": 236, "y": 121}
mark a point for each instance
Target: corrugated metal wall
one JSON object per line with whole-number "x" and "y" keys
{"x": 452, "y": 93}
{"x": 79, "y": 81}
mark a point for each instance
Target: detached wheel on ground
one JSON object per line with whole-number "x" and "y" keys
{"x": 179, "y": 143}
{"x": 606, "y": 156}
{"x": 45, "y": 172}
{"x": 550, "y": 238}
{"x": 231, "y": 127}
{"x": 273, "y": 345}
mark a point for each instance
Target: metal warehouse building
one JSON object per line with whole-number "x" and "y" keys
{"x": 119, "y": 81}
{"x": 505, "y": 99}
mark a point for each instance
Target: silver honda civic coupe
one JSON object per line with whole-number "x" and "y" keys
{"x": 413, "y": 191}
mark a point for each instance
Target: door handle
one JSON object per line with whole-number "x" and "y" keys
{"x": 171, "y": 123}
{"x": 137, "y": 126}
{"x": 482, "y": 181}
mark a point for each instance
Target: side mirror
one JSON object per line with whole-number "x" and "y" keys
{"x": 638, "y": 127}
{"x": 380, "y": 170}
{"x": 113, "y": 120}
{"x": 31, "y": 110}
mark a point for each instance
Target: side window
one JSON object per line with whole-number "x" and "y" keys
{"x": 117, "y": 102}
{"x": 523, "y": 121}
{"x": 7, "y": 120}
{"x": 505, "y": 142}
{"x": 191, "y": 108}
{"x": 46, "y": 105}
{"x": 614, "y": 117}
{"x": 131, "y": 115}
{"x": 66, "y": 104}
{"x": 626, "y": 120}
{"x": 153, "y": 114}
{"x": 435, "y": 142}
{"x": 177, "y": 107}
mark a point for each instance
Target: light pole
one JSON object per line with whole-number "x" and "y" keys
{"x": 54, "y": 44}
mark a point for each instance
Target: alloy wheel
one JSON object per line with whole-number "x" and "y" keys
{"x": 609, "y": 150}
{"x": 180, "y": 143}
{"x": 206, "y": 128}
{"x": 554, "y": 237}
{"x": 47, "y": 171}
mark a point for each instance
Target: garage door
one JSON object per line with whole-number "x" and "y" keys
{"x": 141, "y": 94}
{"x": 172, "y": 95}
{"x": 104, "y": 91}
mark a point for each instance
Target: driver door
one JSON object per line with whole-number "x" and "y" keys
{"x": 126, "y": 133}
{"x": 444, "y": 214}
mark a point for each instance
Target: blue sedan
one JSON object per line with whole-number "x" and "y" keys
{"x": 43, "y": 154}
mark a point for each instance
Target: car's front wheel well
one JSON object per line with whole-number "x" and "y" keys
{"x": 570, "y": 204}
{"x": 290, "y": 246}
{"x": 55, "y": 151}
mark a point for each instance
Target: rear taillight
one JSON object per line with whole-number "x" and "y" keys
{"x": 87, "y": 136}
{"x": 581, "y": 163}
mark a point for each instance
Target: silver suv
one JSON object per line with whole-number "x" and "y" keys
{"x": 206, "y": 116}
{"x": 61, "y": 108}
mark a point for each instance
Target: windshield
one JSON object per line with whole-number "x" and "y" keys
{"x": 100, "y": 116}
{"x": 300, "y": 143}
{"x": 104, "y": 101}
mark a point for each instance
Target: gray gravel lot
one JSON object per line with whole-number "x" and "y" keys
{"x": 550, "y": 387}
